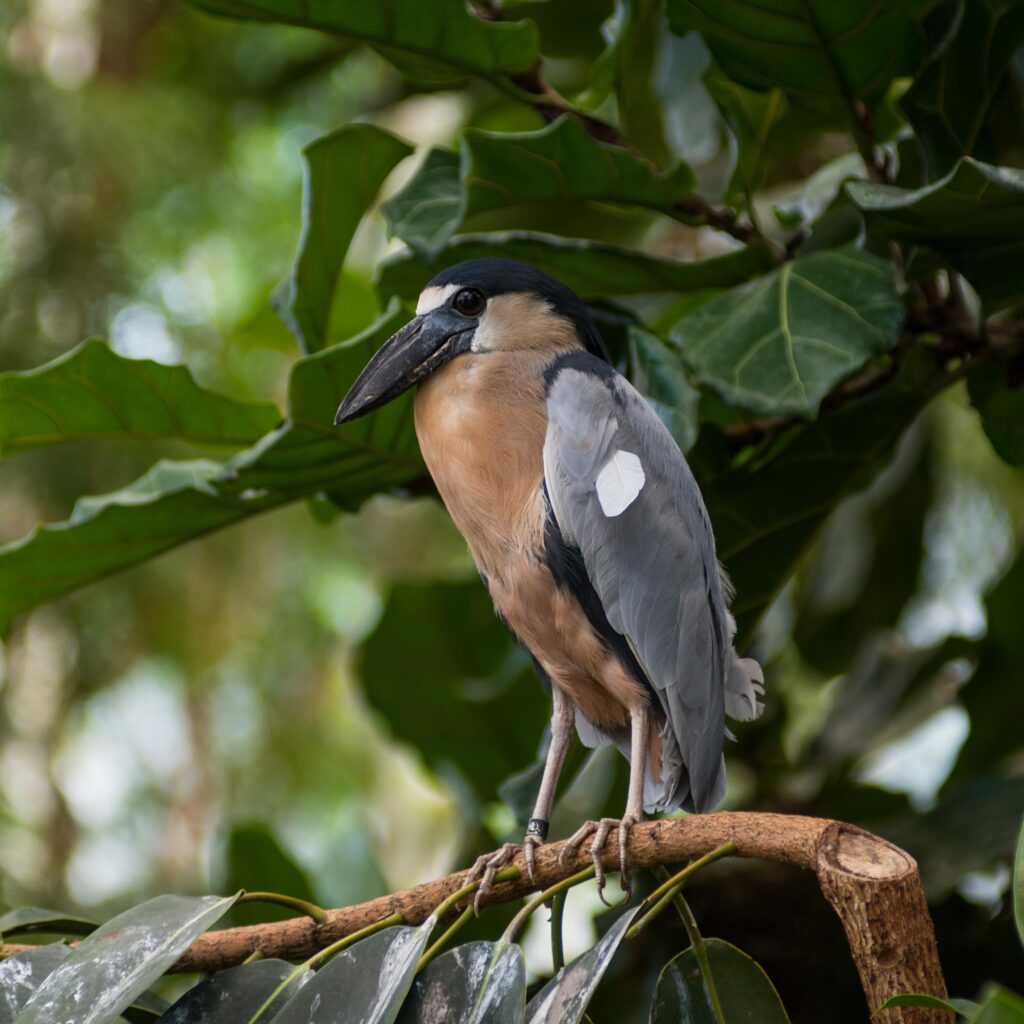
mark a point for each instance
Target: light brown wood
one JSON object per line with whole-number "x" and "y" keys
{"x": 873, "y": 886}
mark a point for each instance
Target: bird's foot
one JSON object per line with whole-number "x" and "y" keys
{"x": 489, "y": 864}
{"x": 600, "y": 830}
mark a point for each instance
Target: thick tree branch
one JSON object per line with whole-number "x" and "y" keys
{"x": 873, "y": 886}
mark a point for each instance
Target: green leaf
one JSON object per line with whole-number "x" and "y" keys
{"x": 559, "y": 163}
{"x": 121, "y": 959}
{"x": 779, "y": 345}
{"x": 821, "y": 56}
{"x": 754, "y": 119}
{"x": 744, "y": 990}
{"x": 819, "y": 191}
{"x": 234, "y": 995}
{"x": 1018, "y": 886}
{"x": 309, "y": 454}
{"x": 28, "y": 920}
{"x": 564, "y": 999}
{"x": 974, "y": 217}
{"x": 426, "y": 211}
{"x": 766, "y": 514}
{"x": 428, "y": 40}
{"x": 172, "y": 503}
{"x": 658, "y": 375}
{"x": 22, "y": 974}
{"x": 999, "y": 1006}
{"x": 964, "y": 1007}
{"x": 948, "y": 104}
{"x": 177, "y": 501}
{"x": 344, "y": 172}
{"x": 364, "y": 984}
{"x": 92, "y": 393}
{"x": 997, "y": 392}
{"x": 476, "y": 705}
{"x": 591, "y": 269}
{"x": 476, "y": 983}
{"x": 562, "y": 163}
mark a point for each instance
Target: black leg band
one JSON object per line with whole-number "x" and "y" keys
{"x": 537, "y": 827}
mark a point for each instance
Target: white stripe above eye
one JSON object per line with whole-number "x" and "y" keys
{"x": 621, "y": 479}
{"x": 437, "y": 295}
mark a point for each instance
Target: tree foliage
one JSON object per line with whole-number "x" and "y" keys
{"x": 800, "y": 230}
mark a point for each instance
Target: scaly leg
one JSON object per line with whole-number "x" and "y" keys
{"x": 639, "y": 719}
{"x": 563, "y": 719}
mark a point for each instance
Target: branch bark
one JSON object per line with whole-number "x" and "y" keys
{"x": 873, "y": 886}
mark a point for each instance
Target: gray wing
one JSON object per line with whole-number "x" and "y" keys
{"x": 622, "y": 493}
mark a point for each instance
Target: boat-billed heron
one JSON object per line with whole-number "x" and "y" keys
{"x": 587, "y": 527}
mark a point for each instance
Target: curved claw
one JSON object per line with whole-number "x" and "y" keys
{"x": 486, "y": 867}
{"x": 530, "y": 845}
{"x": 600, "y": 831}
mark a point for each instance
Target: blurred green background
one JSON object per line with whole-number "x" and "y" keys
{"x": 326, "y": 705}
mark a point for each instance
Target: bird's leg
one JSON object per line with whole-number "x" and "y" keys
{"x": 639, "y": 718}
{"x": 563, "y": 719}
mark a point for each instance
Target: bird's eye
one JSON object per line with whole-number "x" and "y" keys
{"x": 469, "y": 302}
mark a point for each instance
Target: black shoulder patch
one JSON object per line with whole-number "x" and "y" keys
{"x": 585, "y": 362}
{"x": 565, "y": 563}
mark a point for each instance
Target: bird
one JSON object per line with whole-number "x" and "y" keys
{"x": 588, "y": 529}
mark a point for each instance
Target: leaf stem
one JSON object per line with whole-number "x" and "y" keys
{"x": 658, "y": 900}
{"x": 325, "y": 954}
{"x": 445, "y": 937}
{"x": 508, "y": 874}
{"x": 318, "y": 914}
{"x": 557, "y": 946}
{"x": 517, "y": 922}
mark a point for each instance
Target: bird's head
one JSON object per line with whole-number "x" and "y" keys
{"x": 471, "y": 309}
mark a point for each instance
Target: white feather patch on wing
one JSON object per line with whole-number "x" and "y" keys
{"x": 621, "y": 479}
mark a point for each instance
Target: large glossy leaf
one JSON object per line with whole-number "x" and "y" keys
{"x": 745, "y": 993}
{"x": 477, "y": 983}
{"x": 562, "y": 163}
{"x": 21, "y": 975}
{"x": 961, "y": 1006}
{"x": 344, "y": 172}
{"x": 564, "y": 999}
{"x": 429, "y": 208}
{"x": 364, "y": 984}
{"x": 173, "y": 503}
{"x": 999, "y": 1006}
{"x": 821, "y": 55}
{"x": 997, "y": 392}
{"x": 765, "y": 516}
{"x": 308, "y": 453}
{"x": 475, "y": 703}
{"x": 92, "y": 393}
{"x": 974, "y": 217}
{"x": 754, "y": 117}
{"x": 426, "y": 39}
{"x": 949, "y": 102}
{"x": 177, "y": 501}
{"x": 779, "y": 345}
{"x": 234, "y": 995}
{"x": 121, "y": 959}
{"x": 26, "y": 920}
{"x": 591, "y": 269}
